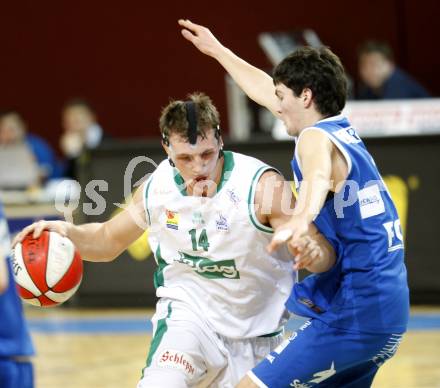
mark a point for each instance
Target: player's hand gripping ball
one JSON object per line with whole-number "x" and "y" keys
{"x": 48, "y": 270}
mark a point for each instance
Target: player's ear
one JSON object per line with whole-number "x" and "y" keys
{"x": 307, "y": 97}
{"x": 166, "y": 147}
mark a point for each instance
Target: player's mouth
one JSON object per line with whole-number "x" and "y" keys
{"x": 200, "y": 178}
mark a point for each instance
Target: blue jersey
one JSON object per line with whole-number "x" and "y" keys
{"x": 367, "y": 288}
{"x": 14, "y": 335}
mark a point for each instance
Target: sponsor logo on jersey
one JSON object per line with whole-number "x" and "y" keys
{"x": 172, "y": 219}
{"x": 310, "y": 305}
{"x": 395, "y": 236}
{"x": 233, "y": 197}
{"x": 177, "y": 360}
{"x": 197, "y": 219}
{"x": 388, "y": 350}
{"x": 370, "y": 201}
{"x": 222, "y": 269}
{"x": 318, "y": 377}
{"x": 347, "y": 135}
{"x": 222, "y": 223}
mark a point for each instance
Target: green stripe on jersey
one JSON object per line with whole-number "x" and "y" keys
{"x": 162, "y": 327}
{"x": 146, "y": 201}
{"x": 158, "y": 274}
{"x": 251, "y": 198}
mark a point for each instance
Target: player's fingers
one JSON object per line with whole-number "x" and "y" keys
{"x": 188, "y": 35}
{"x": 21, "y": 235}
{"x": 302, "y": 245}
{"x": 189, "y": 24}
{"x": 39, "y": 227}
{"x": 309, "y": 246}
{"x": 308, "y": 259}
{"x": 302, "y": 262}
{"x": 316, "y": 253}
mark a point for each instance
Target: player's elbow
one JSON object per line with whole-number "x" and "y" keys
{"x": 101, "y": 257}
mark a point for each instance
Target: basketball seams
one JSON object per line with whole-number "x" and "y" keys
{"x": 22, "y": 275}
{"x": 34, "y": 254}
{"x": 73, "y": 275}
{"x": 48, "y": 270}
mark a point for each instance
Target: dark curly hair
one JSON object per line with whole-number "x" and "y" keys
{"x": 321, "y": 71}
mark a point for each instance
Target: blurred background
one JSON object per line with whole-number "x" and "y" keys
{"x": 128, "y": 59}
{"x": 83, "y": 83}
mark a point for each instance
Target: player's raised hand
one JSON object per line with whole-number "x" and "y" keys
{"x": 201, "y": 37}
{"x": 37, "y": 228}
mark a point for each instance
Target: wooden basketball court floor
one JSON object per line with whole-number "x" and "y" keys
{"x": 80, "y": 348}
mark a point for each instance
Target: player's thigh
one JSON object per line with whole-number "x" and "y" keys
{"x": 316, "y": 354}
{"x": 182, "y": 352}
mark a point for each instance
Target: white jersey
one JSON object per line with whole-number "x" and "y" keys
{"x": 211, "y": 252}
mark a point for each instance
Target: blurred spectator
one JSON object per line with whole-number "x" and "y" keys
{"x": 381, "y": 78}
{"x": 81, "y": 131}
{"x": 15, "y": 141}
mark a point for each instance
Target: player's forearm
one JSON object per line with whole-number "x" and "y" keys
{"x": 254, "y": 82}
{"x": 93, "y": 242}
{"x": 315, "y": 157}
{"x": 311, "y": 196}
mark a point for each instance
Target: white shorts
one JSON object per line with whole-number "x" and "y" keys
{"x": 185, "y": 352}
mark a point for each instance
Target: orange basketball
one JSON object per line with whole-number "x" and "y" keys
{"x": 48, "y": 270}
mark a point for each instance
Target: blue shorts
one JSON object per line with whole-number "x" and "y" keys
{"x": 15, "y": 374}
{"x": 317, "y": 355}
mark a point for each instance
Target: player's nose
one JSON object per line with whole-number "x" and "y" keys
{"x": 198, "y": 166}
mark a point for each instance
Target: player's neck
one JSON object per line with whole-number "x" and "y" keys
{"x": 311, "y": 119}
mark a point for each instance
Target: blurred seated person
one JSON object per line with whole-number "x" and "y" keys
{"x": 381, "y": 78}
{"x": 26, "y": 160}
{"x": 81, "y": 132}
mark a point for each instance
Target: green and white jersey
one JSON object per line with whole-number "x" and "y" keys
{"x": 211, "y": 252}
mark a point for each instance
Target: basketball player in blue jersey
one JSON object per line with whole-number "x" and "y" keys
{"x": 359, "y": 308}
{"x": 15, "y": 344}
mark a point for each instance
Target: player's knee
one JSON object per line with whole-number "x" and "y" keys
{"x": 246, "y": 382}
{"x": 163, "y": 378}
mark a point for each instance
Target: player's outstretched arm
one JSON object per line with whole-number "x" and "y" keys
{"x": 315, "y": 153}
{"x": 98, "y": 241}
{"x": 254, "y": 82}
{"x": 275, "y": 202}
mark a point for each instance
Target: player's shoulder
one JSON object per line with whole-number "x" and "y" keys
{"x": 163, "y": 171}
{"x": 245, "y": 161}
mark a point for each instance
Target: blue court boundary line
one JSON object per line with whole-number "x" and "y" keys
{"x": 120, "y": 325}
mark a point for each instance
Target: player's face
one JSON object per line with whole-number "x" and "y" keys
{"x": 197, "y": 164}
{"x": 291, "y": 109}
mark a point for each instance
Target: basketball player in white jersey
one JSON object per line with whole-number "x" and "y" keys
{"x": 211, "y": 214}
